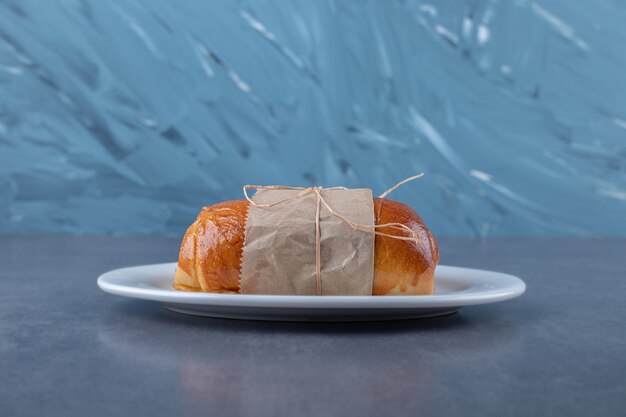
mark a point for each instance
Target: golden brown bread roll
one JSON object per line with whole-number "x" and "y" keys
{"x": 210, "y": 254}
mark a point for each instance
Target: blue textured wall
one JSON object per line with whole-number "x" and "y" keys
{"x": 126, "y": 116}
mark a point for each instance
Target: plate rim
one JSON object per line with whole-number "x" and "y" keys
{"x": 510, "y": 287}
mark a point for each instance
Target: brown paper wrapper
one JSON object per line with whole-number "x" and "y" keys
{"x": 279, "y": 248}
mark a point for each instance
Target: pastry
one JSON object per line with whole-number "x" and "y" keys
{"x": 210, "y": 254}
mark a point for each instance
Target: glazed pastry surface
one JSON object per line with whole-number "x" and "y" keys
{"x": 210, "y": 254}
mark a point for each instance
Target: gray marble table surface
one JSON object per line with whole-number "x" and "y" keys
{"x": 68, "y": 349}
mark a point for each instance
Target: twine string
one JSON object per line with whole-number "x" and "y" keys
{"x": 319, "y": 201}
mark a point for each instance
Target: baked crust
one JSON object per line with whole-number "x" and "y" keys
{"x": 210, "y": 254}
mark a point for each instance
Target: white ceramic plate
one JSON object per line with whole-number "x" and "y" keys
{"x": 454, "y": 288}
